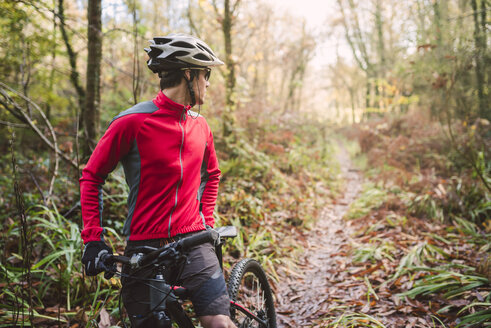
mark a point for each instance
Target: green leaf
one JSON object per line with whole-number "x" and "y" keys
{"x": 51, "y": 257}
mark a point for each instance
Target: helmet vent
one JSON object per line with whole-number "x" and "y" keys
{"x": 182, "y": 44}
{"x": 162, "y": 40}
{"x": 180, "y": 53}
{"x": 203, "y": 47}
{"x": 154, "y": 52}
{"x": 201, "y": 56}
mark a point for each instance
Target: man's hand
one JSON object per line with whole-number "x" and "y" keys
{"x": 92, "y": 253}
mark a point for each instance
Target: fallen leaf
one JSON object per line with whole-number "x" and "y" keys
{"x": 105, "y": 319}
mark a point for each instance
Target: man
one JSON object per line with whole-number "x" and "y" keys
{"x": 171, "y": 168}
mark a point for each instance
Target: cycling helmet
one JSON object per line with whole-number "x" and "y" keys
{"x": 178, "y": 50}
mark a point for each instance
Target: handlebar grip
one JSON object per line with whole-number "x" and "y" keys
{"x": 183, "y": 244}
{"x": 108, "y": 259}
{"x": 198, "y": 239}
{"x": 101, "y": 264}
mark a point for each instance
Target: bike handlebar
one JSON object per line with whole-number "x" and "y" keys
{"x": 198, "y": 239}
{"x": 106, "y": 260}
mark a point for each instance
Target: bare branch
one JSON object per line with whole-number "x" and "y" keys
{"x": 234, "y": 8}
{"x": 13, "y": 125}
{"x": 118, "y": 29}
{"x": 358, "y": 34}
{"x": 33, "y": 178}
{"x": 216, "y": 8}
{"x": 72, "y": 57}
{"x": 12, "y": 111}
{"x": 194, "y": 30}
{"x": 32, "y": 124}
{"x": 52, "y": 131}
{"x": 362, "y": 65}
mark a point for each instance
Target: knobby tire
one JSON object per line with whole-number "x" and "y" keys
{"x": 248, "y": 286}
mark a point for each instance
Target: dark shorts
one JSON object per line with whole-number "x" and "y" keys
{"x": 201, "y": 275}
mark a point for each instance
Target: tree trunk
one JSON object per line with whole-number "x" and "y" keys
{"x": 92, "y": 99}
{"x": 438, "y": 23}
{"x": 291, "y": 90}
{"x": 380, "y": 35}
{"x": 72, "y": 59}
{"x": 380, "y": 91}
{"x": 421, "y": 23}
{"x": 352, "y": 101}
{"x": 358, "y": 47}
{"x": 228, "y": 116}
{"x": 136, "y": 51}
{"x": 368, "y": 86}
{"x": 227, "y": 33}
{"x": 480, "y": 43}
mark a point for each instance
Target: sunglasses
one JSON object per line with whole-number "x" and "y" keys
{"x": 206, "y": 69}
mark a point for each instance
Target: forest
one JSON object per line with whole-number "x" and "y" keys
{"x": 353, "y": 138}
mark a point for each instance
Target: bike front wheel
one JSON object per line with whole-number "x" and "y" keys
{"x": 251, "y": 296}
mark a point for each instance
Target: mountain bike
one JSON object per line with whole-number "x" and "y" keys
{"x": 251, "y": 299}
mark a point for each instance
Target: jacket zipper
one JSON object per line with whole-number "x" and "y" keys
{"x": 182, "y": 118}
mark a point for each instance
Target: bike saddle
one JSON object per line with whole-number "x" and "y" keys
{"x": 227, "y": 231}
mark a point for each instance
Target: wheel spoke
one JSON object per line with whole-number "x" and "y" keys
{"x": 248, "y": 286}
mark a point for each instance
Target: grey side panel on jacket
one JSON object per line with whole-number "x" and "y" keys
{"x": 145, "y": 107}
{"x": 132, "y": 172}
{"x": 204, "y": 180}
{"x": 132, "y": 163}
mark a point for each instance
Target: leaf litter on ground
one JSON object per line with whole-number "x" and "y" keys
{"x": 382, "y": 264}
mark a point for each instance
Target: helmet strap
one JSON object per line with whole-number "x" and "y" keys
{"x": 190, "y": 87}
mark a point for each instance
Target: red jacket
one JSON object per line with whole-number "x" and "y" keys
{"x": 170, "y": 165}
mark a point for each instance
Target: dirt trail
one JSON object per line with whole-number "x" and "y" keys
{"x": 303, "y": 299}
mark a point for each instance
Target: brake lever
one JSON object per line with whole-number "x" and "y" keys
{"x": 108, "y": 274}
{"x": 135, "y": 260}
{"x": 109, "y": 268}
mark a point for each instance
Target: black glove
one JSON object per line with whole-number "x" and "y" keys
{"x": 92, "y": 253}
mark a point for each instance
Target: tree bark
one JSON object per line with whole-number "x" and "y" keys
{"x": 438, "y": 24}
{"x": 72, "y": 59}
{"x": 229, "y": 121}
{"x": 380, "y": 92}
{"x": 94, "y": 56}
{"x": 136, "y": 51}
{"x": 352, "y": 101}
{"x": 358, "y": 47}
{"x": 227, "y": 24}
{"x": 368, "y": 106}
{"x": 380, "y": 35}
{"x": 480, "y": 44}
{"x": 227, "y": 31}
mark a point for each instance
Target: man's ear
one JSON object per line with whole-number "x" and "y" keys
{"x": 187, "y": 74}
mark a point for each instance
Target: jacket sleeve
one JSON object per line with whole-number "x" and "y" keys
{"x": 114, "y": 144}
{"x": 211, "y": 174}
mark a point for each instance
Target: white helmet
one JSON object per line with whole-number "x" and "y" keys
{"x": 178, "y": 50}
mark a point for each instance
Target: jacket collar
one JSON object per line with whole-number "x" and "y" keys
{"x": 168, "y": 105}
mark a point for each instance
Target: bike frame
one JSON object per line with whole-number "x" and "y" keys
{"x": 176, "y": 293}
{"x": 181, "y": 293}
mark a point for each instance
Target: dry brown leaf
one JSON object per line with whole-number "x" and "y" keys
{"x": 365, "y": 308}
{"x": 104, "y": 319}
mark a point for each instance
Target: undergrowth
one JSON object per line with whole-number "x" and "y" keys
{"x": 423, "y": 223}
{"x": 271, "y": 188}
